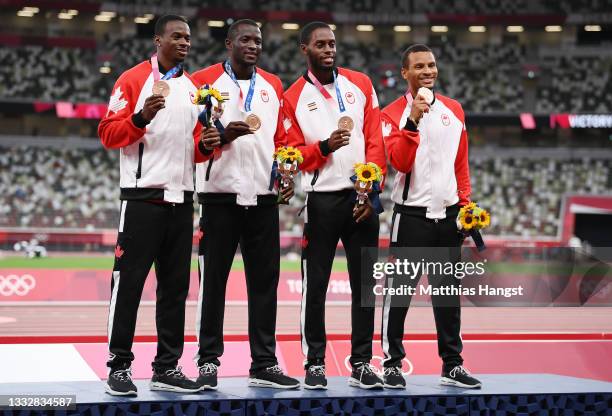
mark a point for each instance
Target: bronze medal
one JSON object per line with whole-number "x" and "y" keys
{"x": 161, "y": 88}
{"x": 253, "y": 121}
{"x": 427, "y": 94}
{"x": 346, "y": 123}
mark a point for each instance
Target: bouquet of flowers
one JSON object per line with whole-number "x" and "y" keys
{"x": 471, "y": 220}
{"x": 212, "y": 111}
{"x": 286, "y": 163}
{"x": 367, "y": 178}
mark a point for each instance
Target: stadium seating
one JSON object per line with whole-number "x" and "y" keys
{"x": 67, "y": 188}
{"x": 396, "y": 6}
{"x": 45, "y": 187}
{"x": 485, "y": 78}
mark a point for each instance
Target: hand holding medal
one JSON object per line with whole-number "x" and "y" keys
{"x": 420, "y": 105}
{"x": 161, "y": 88}
{"x": 151, "y": 106}
{"x": 345, "y": 122}
{"x": 339, "y": 138}
{"x": 252, "y": 120}
{"x": 427, "y": 95}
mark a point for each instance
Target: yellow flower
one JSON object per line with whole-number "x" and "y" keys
{"x": 196, "y": 97}
{"x": 468, "y": 221}
{"x": 289, "y": 153}
{"x": 484, "y": 219}
{"x": 471, "y": 216}
{"x": 280, "y": 153}
{"x": 200, "y": 96}
{"x": 293, "y": 154}
{"x": 216, "y": 94}
{"x": 365, "y": 173}
{"x": 202, "y": 93}
{"x": 377, "y": 169}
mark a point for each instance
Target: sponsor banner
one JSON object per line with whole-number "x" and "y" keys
{"x": 581, "y": 121}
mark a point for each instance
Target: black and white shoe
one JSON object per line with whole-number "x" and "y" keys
{"x": 393, "y": 378}
{"x": 315, "y": 377}
{"x": 364, "y": 377}
{"x": 207, "y": 379}
{"x": 272, "y": 377}
{"x": 459, "y": 376}
{"x": 173, "y": 380}
{"x": 120, "y": 383}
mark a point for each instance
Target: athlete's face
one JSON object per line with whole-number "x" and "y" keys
{"x": 245, "y": 47}
{"x": 420, "y": 70}
{"x": 175, "y": 43}
{"x": 321, "y": 50}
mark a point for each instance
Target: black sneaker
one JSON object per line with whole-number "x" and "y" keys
{"x": 460, "y": 377}
{"x": 120, "y": 383}
{"x": 394, "y": 379}
{"x": 315, "y": 377}
{"x": 207, "y": 380}
{"x": 272, "y": 377}
{"x": 363, "y": 376}
{"x": 173, "y": 380}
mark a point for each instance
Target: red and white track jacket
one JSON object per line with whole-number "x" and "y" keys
{"x": 241, "y": 171}
{"x": 309, "y": 119}
{"x": 432, "y": 163}
{"x": 157, "y": 161}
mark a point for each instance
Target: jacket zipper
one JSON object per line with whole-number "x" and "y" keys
{"x": 209, "y": 168}
{"x": 139, "y": 169}
{"x": 315, "y": 176}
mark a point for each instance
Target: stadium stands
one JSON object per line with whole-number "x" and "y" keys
{"x": 67, "y": 188}
{"x": 78, "y": 188}
{"x": 485, "y": 78}
{"x": 566, "y": 75}
{"x": 396, "y": 6}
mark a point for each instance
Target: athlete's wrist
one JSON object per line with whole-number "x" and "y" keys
{"x": 324, "y": 147}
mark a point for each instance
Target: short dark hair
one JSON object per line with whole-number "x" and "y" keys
{"x": 232, "y": 32}
{"x": 308, "y": 29}
{"x": 160, "y": 25}
{"x": 417, "y": 47}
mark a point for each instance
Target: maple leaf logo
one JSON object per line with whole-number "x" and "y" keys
{"x": 118, "y": 251}
{"x": 116, "y": 103}
{"x": 386, "y": 129}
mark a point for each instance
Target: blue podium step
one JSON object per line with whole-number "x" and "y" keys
{"x": 501, "y": 394}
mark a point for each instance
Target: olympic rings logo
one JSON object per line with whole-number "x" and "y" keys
{"x": 16, "y": 285}
{"x": 380, "y": 359}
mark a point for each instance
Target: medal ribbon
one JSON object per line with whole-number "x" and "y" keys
{"x": 409, "y": 98}
{"x": 244, "y": 103}
{"x": 167, "y": 75}
{"x": 326, "y": 94}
